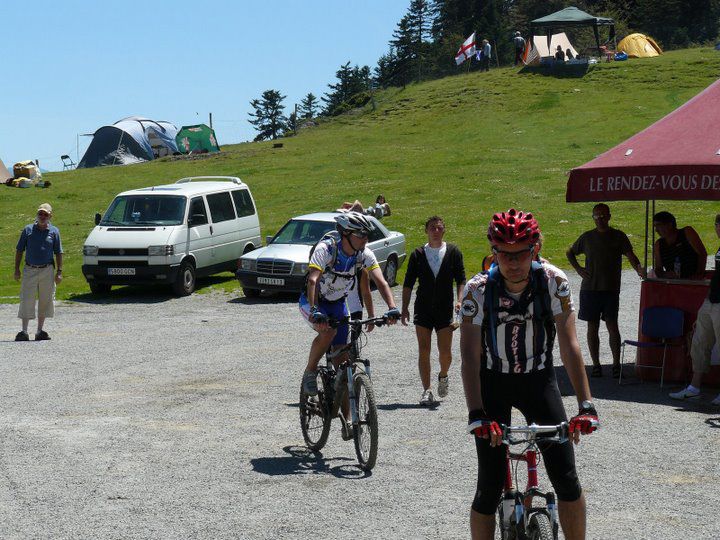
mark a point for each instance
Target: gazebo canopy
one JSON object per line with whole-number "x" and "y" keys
{"x": 676, "y": 158}
{"x": 570, "y": 16}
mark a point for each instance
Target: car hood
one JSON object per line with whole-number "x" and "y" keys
{"x": 289, "y": 252}
{"x": 128, "y": 237}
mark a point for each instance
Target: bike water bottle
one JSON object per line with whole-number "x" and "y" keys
{"x": 677, "y": 266}
{"x": 508, "y": 507}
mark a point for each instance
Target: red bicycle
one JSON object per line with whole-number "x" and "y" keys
{"x": 519, "y": 518}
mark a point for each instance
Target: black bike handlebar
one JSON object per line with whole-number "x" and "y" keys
{"x": 377, "y": 321}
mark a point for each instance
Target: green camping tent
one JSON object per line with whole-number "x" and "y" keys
{"x": 196, "y": 139}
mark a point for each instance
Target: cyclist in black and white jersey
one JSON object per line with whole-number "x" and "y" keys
{"x": 331, "y": 274}
{"x": 510, "y": 317}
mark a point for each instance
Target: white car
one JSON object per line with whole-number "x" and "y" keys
{"x": 283, "y": 263}
{"x": 172, "y": 234}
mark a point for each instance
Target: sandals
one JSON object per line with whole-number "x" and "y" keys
{"x": 596, "y": 370}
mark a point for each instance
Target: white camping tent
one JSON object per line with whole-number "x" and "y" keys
{"x": 4, "y": 173}
{"x": 537, "y": 47}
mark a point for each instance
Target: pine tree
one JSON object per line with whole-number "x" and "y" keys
{"x": 268, "y": 118}
{"x": 351, "y": 81}
{"x": 308, "y": 107}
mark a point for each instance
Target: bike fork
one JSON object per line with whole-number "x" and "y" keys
{"x": 351, "y": 396}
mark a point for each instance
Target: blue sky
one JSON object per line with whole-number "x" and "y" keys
{"x": 72, "y": 66}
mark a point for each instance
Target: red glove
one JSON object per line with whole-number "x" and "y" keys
{"x": 482, "y": 426}
{"x": 586, "y": 420}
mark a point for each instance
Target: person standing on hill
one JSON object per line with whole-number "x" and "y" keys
{"x": 486, "y": 54}
{"x": 603, "y": 248}
{"x": 40, "y": 241}
{"x": 434, "y": 266}
{"x": 519, "y": 44}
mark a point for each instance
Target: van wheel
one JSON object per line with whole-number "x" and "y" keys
{"x": 391, "y": 269}
{"x": 251, "y": 293}
{"x": 185, "y": 281}
{"x": 99, "y": 288}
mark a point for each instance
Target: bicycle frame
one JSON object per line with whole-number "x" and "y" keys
{"x": 348, "y": 367}
{"x": 521, "y": 501}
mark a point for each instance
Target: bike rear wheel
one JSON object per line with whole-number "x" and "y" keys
{"x": 315, "y": 416}
{"x": 365, "y": 433}
{"x": 539, "y": 527}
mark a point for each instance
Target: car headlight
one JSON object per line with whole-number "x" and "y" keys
{"x": 155, "y": 251}
{"x": 248, "y": 264}
{"x": 300, "y": 268}
{"x": 90, "y": 251}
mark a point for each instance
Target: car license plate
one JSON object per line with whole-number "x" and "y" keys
{"x": 271, "y": 281}
{"x": 121, "y": 271}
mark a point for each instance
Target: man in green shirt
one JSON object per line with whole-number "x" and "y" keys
{"x": 603, "y": 248}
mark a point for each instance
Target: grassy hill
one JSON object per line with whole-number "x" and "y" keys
{"x": 461, "y": 147}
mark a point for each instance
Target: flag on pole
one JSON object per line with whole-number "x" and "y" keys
{"x": 467, "y": 50}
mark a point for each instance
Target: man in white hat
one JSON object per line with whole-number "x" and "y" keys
{"x": 40, "y": 241}
{"x": 519, "y": 44}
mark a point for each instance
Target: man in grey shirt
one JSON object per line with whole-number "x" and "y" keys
{"x": 603, "y": 248}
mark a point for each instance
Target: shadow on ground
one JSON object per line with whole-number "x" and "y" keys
{"x": 301, "y": 460}
{"x": 267, "y": 298}
{"x": 634, "y": 391}
{"x": 145, "y": 294}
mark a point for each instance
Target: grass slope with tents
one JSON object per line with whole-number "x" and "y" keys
{"x": 461, "y": 147}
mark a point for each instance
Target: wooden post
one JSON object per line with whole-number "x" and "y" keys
{"x": 210, "y": 120}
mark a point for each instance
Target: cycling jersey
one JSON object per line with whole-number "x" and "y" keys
{"x": 336, "y": 282}
{"x": 518, "y": 329}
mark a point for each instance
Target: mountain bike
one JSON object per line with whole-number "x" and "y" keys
{"x": 352, "y": 379}
{"x": 518, "y": 517}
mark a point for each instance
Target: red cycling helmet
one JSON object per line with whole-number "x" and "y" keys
{"x": 513, "y": 227}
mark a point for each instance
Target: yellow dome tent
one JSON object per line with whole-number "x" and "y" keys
{"x": 639, "y": 46}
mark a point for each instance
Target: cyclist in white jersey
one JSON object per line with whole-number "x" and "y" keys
{"x": 510, "y": 316}
{"x": 331, "y": 275}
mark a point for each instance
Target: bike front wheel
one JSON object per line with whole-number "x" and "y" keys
{"x": 539, "y": 527}
{"x": 365, "y": 433}
{"x": 315, "y": 416}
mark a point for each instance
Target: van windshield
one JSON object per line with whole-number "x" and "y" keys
{"x": 138, "y": 210}
{"x": 303, "y": 232}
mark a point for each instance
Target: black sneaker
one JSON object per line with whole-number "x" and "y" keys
{"x": 22, "y": 336}
{"x": 42, "y": 335}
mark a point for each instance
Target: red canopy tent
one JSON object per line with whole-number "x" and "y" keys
{"x": 676, "y": 158}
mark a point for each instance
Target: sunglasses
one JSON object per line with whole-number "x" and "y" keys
{"x": 362, "y": 235}
{"x": 511, "y": 256}
{"x": 42, "y": 214}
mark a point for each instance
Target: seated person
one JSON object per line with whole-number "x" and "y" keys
{"x": 559, "y": 54}
{"x": 679, "y": 253}
{"x": 378, "y": 210}
{"x": 569, "y": 54}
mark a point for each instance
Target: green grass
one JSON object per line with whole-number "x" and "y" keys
{"x": 461, "y": 147}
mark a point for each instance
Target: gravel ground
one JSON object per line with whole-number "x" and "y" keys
{"x": 155, "y": 417}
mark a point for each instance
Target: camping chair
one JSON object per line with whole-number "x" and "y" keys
{"x": 660, "y": 323}
{"x": 67, "y": 162}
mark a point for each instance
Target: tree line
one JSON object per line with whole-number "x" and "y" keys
{"x": 427, "y": 37}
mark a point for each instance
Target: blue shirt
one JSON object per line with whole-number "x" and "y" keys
{"x": 38, "y": 244}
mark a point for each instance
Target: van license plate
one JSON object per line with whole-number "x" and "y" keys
{"x": 121, "y": 271}
{"x": 271, "y": 281}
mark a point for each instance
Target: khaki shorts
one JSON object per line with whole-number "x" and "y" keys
{"x": 707, "y": 331}
{"x": 37, "y": 283}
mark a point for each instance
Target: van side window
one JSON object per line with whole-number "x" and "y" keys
{"x": 243, "y": 203}
{"x": 221, "y": 208}
{"x": 198, "y": 214}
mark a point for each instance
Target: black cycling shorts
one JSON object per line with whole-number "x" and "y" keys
{"x": 434, "y": 320}
{"x": 537, "y": 397}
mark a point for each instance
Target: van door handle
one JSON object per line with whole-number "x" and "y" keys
{"x": 386, "y": 243}
{"x": 211, "y": 231}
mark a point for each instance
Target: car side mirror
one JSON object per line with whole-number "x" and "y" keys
{"x": 268, "y": 239}
{"x": 197, "y": 219}
{"x": 98, "y": 217}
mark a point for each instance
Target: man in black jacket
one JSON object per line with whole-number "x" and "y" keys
{"x": 434, "y": 266}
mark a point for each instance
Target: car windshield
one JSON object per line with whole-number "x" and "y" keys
{"x": 298, "y": 231}
{"x": 138, "y": 210}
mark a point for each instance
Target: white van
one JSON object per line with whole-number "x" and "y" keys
{"x": 172, "y": 234}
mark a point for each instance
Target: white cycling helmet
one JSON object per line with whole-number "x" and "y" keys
{"x": 353, "y": 221}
